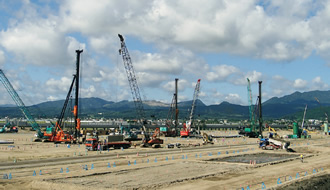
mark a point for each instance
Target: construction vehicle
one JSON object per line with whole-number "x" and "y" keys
{"x": 154, "y": 141}
{"x": 187, "y": 127}
{"x": 132, "y": 80}
{"x": 35, "y": 126}
{"x": 272, "y": 132}
{"x": 271, "y": 144}
{"x": 8, "y": 128}
{"x": 170, "y": 129}
{"x": 128, "y": 133}
{"x": 207, "y": 139}
{"x": 57, "y": 135}
{"x": 252, "y": 130}
{"x": 112, "y": 141}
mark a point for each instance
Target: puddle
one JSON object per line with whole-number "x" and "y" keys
{"x": 258, "y": 158}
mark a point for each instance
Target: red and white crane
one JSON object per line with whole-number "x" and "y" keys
{"x": 187, "y": 126}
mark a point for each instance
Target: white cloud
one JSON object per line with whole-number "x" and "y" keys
{"x": 56, "y": 86}
{"x": 233, "y": 98}
{"x": 172, "y": 37}
{"x": 299, "y": 84}
{"x": 279, "y": 31}
{"x": 39, "y": 43}
{"x": 2, "y": 58}
{"x": 158, "y": 63}
{"x": 221, "y": 72}
{"x": 281, "y": 86}
{"x": 170, "y": 86}
{"x": 241, "y": 77}
{"x": 318, "y": 84}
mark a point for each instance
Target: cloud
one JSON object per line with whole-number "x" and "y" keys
{"x": 2, "y": 58}
{"x": 280, "y": 85}
{"x": 240, "y": 78}
{"x": 221, "y": 72}
{"x": 278, "y": 31}
{"x": 170, "y": 86}
{"x": 233, "y": 98}
{"x": 167, "y": 40}
{"x": 158, "y": 63}
{"x": 318, "y": 84}
{"x": 56, "y": 86}
{"x": 39, "y": 43}
{"x": 299, "y": 84}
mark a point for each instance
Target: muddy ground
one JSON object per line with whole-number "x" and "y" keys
{"x": 318, "y": 182}
{"x": 187, "y": 168}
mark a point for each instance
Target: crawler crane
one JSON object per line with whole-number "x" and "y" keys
{"x": 147, "y": 141}
{"x": 187, "y": 129}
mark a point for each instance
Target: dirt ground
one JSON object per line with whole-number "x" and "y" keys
{"x": 194, "y": 167}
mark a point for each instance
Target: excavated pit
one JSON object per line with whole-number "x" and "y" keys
{"x": 257, "y": 158}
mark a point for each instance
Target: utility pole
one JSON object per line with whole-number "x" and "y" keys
{"x": 176, "y": 106}
{"x": 75, "y": 110}
{"x": 260, "y": 110}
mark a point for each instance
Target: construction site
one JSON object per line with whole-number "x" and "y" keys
{"x": 255, "y": 156}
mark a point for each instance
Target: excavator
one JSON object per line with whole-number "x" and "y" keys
{"x": 272, "y": 132}
{"x": 207, "y": 139}
{"x": 154, "y": 141}
{"x": 12, "y": 129}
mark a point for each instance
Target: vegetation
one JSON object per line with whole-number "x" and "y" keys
{"x": 288, "y": 107}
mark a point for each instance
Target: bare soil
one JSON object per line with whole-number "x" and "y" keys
{"x": 209, "y": 167}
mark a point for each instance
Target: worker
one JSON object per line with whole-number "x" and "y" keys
{"x": 302, "y": 158}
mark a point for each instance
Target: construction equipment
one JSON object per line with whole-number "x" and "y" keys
{"x": 271, "y": 144}
{"x": 207, "y": 139}
{"x": 58, "y": 135}
{"x": 128, "y": 133}
{"x": 187, "y": 127}
{"x": 8, "y": 128}
{"x": 272, "y": 132}
{"x": 132, "y": 80}
{"x": 112, "y": 141}
{"x": 75, "y": 109}
{"x": 170, "y": 129}
{"x": 154, "y": 141}
{"x": 21, "y": 105}
{"x": 252, "y": 130}
{"x": 325, "y": 113}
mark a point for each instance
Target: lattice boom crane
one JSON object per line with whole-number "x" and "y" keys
{"x": 187, "y": 126}
{"x": 20, "y": 104}
{"x": 132, "y": 79}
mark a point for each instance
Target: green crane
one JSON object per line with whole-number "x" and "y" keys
{"x": 20, "y": 104}
{"x": 251, "y": 131}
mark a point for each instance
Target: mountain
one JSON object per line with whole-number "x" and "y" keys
{"x": 8, "y": 105}
{"x": 303, "y": 98}
{"x": 289, "y": 106}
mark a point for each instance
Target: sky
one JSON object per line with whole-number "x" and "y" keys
{"x": 284, "y": 44}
